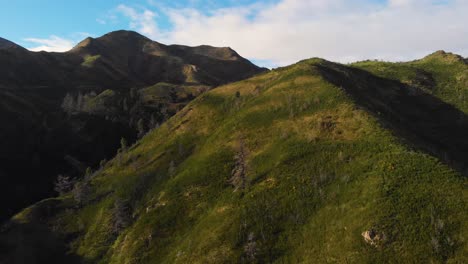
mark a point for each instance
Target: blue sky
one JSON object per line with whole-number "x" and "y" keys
{"x": 21, "y": 19}
{"x": 269, "y": 32}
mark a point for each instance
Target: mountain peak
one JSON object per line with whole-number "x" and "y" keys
{"x": 123, "y": 34}
{"x": 113, "y": 41}
{"x": 84, "y": 43}
{"x": 444, "y": 56}
{"x": 224, "y": 53}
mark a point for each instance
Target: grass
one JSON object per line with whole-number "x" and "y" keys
{"x": 104, "y": 103}
{"x": 89, "y": 60}
{"x": 160, "y": 92}
{"x": 444, "y": 75}
{"x": 320, "y": 172}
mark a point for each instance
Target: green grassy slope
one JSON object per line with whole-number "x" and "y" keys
{"x": 320, "y": 171}
{"x": 442, "y": 74}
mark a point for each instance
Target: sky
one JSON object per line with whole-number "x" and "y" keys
{"x": 271, "y": 33}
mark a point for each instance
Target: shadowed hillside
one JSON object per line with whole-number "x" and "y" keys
{"x": 442, "y": 74}
{"x": 312, "y": 163}
{"x": 63, "y": 112}
{"x": 421, "y": 118}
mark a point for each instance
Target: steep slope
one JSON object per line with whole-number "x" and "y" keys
{"x": 140, "y": 59}
{"x": 63, "y": 112}
{"x": 122, "y": 59}
{"x": 421, "y": 118}
{"x": 442, "y": 74}
{"x": 284, "y": 167}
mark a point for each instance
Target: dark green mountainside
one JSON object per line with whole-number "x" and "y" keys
{"x": 63, "y": 112}
{"x": 317, "y": 162}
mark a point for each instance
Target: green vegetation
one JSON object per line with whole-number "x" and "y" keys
{"x": 37, "y": 87}
{"x": 282, "y": 167}
{"x": 89, "y": 60}
{"x": 442, "y": 74}
{"x": 105, "y": 103}
{"x": 161, "y": 92}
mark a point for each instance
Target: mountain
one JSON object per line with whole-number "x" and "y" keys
{"x": 442, "y": 74}
{"x": 64, "y": 112}
{"x": 121, "y": 59}
{"x": 316, "y": 162}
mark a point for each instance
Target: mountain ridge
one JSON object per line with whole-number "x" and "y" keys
{"x": 114, "y": 83}
{"x": 299, "y": 164}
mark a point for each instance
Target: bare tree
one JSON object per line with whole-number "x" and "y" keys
{"x": 81, "y": 192}
{"x": 164, "y": 112}
{"x": 239, "y": 172}
{"x": 68, "y": 104}
{"x": 102, "y": 163}
{"x": 89, "y": 173}
{"x": 134, "y": 93}
{"x": 141, "y": 128}
{"x": 121, "y": 215}
{"x": 123, "y": 144}
{"x": 63, "y": 184}
{"x": 250, "y": 248}
{"x": 152, "y": 123}
{"x": 79, "y": 102}
{"x": 171, "y": 170}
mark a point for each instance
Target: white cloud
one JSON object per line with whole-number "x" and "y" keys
{"x": 101, "y": 21}
{"x": 339, "y": 30}
{"x": 53, "y": 43}
{"x": 334, "y": 29}
{"x": 143, "y": 22}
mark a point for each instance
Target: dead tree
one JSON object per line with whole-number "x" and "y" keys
{"x": 82, "y": 192}
{"x": 141, "y": 128}
{"x": 121, "y": 216}
{"x": 239, "y": 172}
{"x": 250, "y": 248}
{"x": 63, "y": 184}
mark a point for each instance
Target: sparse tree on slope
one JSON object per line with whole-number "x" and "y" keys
{"x": 153, "y": 123}
{"x": 81, "y": 192}
{"x": 68, "y": 104}
{"x": 171, "y": 170}
{"x": 141, "y": 128}
{"x": 239, "y": 172}
{"x": 79, "y": 102}
{"x": 121, "y": 216}
{"x": 89, "y": 173}
{"x": 250, "y": 248}
{"x": 63, "y": 184}
{"x": 123, "y": 144}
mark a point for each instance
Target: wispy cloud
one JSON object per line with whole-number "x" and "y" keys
{"x": 53, "y": 43}
{"x": 143, "y": 21}
{"x": 289, "y": 30}
{"x": 101, "y": 21}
